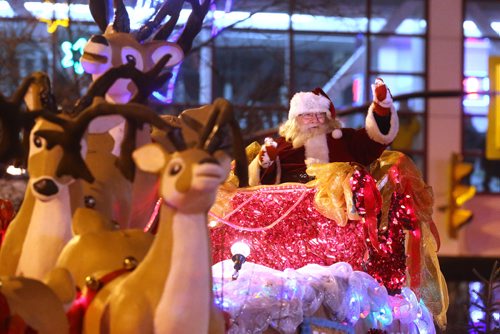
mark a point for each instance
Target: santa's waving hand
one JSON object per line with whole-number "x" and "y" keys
{"x": 382, "y": 123}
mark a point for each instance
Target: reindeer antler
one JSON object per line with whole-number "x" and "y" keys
{"x": 69, "y": 139}
{"x": 170, "y": 8}
{"x": 193, "y": 24}
{"x": 214, "y": 135}
{"x": 146, "y": 82}
{"x": 121, "y": 21}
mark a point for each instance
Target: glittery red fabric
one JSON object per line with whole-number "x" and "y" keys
{"x": 282, "y": 236}
{"x": 304, "y": 236}
{"x": 389, "y": 265}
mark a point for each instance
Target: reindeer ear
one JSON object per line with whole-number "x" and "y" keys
{"x": 158, "y": 50}
{"x": 101, "y": 11}
{"x": 150, "y": 158}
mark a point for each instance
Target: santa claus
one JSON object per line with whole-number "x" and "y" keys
{"x": 312, "y": 134}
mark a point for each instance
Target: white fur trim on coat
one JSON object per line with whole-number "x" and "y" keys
{"x": 373, "y": 130}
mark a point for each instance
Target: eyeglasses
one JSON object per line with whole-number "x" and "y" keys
{"x": 320, "y": 116}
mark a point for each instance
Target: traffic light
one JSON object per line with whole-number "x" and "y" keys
{"x": 459, "y": 194}
{"x": 493, "y": 133}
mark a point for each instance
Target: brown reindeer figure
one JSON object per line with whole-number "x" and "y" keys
{"x": 171, "y": 289}
{"x": 97, "y": 239}
{"x": 117, "y": 45}
{"x": 42, "y": 226}
{"x": 133, "y": 204}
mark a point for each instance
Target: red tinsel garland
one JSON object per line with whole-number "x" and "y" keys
{"x": 284, "y": 230}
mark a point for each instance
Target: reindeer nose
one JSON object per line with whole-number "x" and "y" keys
{"x": 46, "y": 187}
{"x": 209, "y": 160}
{"x": 99, "y": 39}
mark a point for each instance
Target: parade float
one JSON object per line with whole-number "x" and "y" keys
{"x": 157, "y": 231}
{"x": 353, "y": 250}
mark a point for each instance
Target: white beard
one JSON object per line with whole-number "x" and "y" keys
{"x": 316, "y": 150}
{"x": 301, "y": 136}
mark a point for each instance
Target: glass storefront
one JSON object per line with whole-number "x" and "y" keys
{"x": 257, "y": 54}
{"x": 481, "y": 41}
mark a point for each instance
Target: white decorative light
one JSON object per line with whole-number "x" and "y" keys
{"x": 496, "y": 26}
{"x": 212, "y": 223}
{"x": 240, "y": 248}
{"x": 6, "y": 9}
{"x": 15, "y": 171}
{"x": 471, "y": 29}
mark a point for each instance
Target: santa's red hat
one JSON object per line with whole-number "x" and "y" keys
{"x": 311, "y": 102}
{"x": 315, "y": 101}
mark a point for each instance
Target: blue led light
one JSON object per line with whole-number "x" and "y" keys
{"x": 69, "y": 49}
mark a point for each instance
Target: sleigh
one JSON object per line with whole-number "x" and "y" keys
{"x": 349, "y": 225}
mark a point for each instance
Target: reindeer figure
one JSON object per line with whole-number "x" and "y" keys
{"x": 47, "y": 198}
{"x": 31, "y": 247}
{"x": 172, "y": 286}
{"x": 33, "y": 243}
{"x": 132, "y": 206}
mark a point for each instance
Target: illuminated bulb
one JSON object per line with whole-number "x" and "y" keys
{"x": 240, "y": 248}
{"x": 240, "y": 251}
{"x": 15, "y": 171}
{"x": 213, "y": 223}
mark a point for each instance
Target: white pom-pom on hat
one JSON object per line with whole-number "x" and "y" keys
{"x": 337, "y": 133}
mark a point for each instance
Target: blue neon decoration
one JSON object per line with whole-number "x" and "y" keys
{"x": 72, "y": 51}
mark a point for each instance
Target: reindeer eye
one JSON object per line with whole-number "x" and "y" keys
{"x": 175, "y": 169}
{"x": 130, "y": 55}
{"x": 37, "y": 141}
{"x": 130, "y": 59}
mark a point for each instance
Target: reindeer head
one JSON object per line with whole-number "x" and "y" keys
{"x": 117, "y": 45}
{"x": 190, "y": 176}
{"x": 188, "y": 179}
{"x": 44, "y": 159}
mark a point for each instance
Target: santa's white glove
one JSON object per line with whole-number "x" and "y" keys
{"x": 382, "y": 98}
{"x": 268, "y": 153}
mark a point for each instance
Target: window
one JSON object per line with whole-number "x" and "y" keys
{"x": 481, "y": 41}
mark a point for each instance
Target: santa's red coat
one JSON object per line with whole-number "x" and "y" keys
{"x": 353, "y": 146}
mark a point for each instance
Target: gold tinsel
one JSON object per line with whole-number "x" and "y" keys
{"x": 333, "y": 197}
